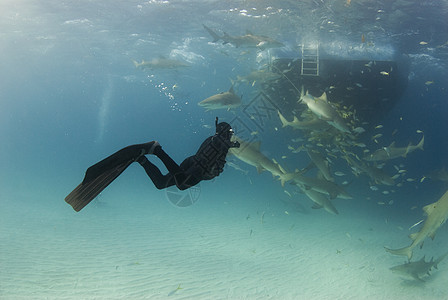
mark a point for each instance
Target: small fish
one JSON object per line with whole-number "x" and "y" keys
{"x": 288, "y": 193}
{"x": 402, "y": 171}
{"x": 429, "y": 82}
{"x": 386, "y": 192}
{"x": 419, "y": 131}
{"x": 410, "y": 180}
{"x": 379, "y": 127}
{"x": 254, "y": 133}
{"x": 284, "y": 156}
{"x": 413, "y": 207}
{"x": 384, "y": 73}
{"x": 377, "y": 136}
{"x": 391, "y": 202}
{"x": 423, "y": 43}
{"x": 374, "y": 188}
{"x": 423, "y": 178}
{"x": 416, "y": 224}
{"x": 339, "y": 173}
{"x": 174, "y": 291}
{"x": 286, "y": 212}
{"x": 381, "y": 203}
{"x": 359, "y": 130}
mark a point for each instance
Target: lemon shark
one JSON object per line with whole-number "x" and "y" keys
{"x": 321, "y": 163}
{"x": 249, "y": 40}
{"x": 437, "y": 213}
{"x": 225, "y": 100}
{"x": 160, "y": 63}
{"x": 319, "y": 185}
{"x": 417, "y": 269}
{"x": 376, "y": 174}
{"x": 249, "y": 152}
{"x": 313, "y": 124}
{"x": 325, "y": 111}
{"x": 392, "y": 152}
{"x": 320, "y": 200}
{"x": 261, "y": 76}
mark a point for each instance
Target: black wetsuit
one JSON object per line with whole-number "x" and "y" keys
{"x": 206, "y": 164}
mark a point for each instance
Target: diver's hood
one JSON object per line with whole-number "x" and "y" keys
{"x": 223, "y": 128}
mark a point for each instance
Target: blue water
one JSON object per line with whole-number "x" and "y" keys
{"x": 70, "y": 95}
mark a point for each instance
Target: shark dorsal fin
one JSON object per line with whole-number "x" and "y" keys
{"x": 323, "y": 97}
{"x": 392, "y": 144}
{"x": 248, "y": 32}
{"x": 429, "y": 208}
{"x": 231, "y": 90}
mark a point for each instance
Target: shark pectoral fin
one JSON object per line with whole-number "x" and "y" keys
{"x": 413, "y": 236}
{"x": 316, "y": 206}
{"x": 432, "y": 235}
{"x": 260, "y": 169}
{"x": 416, "y": 277}
{"x": 333, "y": 195}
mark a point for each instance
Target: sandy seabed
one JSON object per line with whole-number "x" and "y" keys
{"x": 217, "y": 249}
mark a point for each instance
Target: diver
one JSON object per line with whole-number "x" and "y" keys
{"x": 206, "y": 164}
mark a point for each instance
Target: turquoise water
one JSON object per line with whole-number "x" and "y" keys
{"x": 70, "y": 95}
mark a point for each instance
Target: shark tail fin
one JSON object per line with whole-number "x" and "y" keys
{"x": 136, "y": 64}
{"x": 282, "y": 119}
{"x": 420, "y": 144}
{"x": 406, "y": 251}
{"x": 214, "y": 35}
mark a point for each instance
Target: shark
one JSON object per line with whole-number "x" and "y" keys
{"x": 261, "y": 76}
{"x": 160, "y": 63}
{"x": 248, "y": 40}
{"x": 441, "y": 175}
{"x": 437, "y": 213}
{"x": 321, "y": 163}
{"x": 416, "y": 270}
{"x": 225, "y": 100}
{"x": 249, "y": 152}
{"x": 320, "y": 200}
{"x": 319, "y": 185}
{"x": 391, "y": 152}
{"x": 324, "y": 110}
{"x": 313, "y": 124}
{"x": 376, "y": 174}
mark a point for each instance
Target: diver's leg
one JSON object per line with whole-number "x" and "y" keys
{"x": 182, "y": 180}
{"x": 169, "y": 163}
{"x": 160, "y": 181}
{"x": 129, "y": 153}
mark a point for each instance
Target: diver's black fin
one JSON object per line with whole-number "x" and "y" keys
{"x": 101, "y": 174}
{"x": 88, "y": 190}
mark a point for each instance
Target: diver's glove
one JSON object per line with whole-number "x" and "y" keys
{"x": 235, "y": 144}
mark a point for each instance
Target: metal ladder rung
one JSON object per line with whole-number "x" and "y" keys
{"x": 310, "y": 61}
